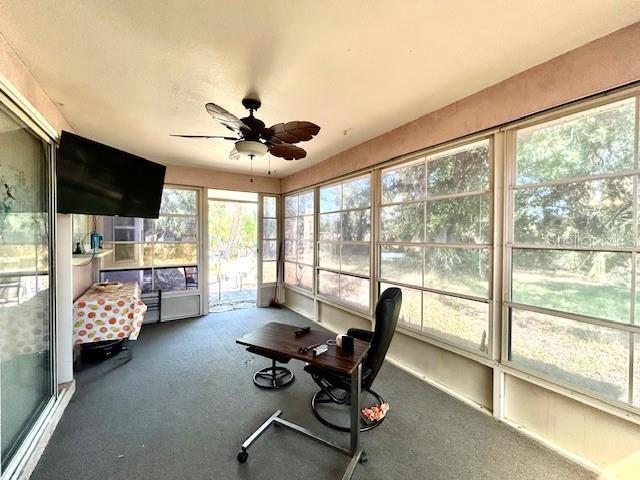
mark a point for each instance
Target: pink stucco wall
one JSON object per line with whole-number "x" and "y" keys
{"x": 202, "y": 177}
{"x": 605, "y": 63}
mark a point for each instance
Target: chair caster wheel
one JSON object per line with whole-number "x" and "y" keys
{"x": 363, "y": 458}
{"x": 242, "y": 456}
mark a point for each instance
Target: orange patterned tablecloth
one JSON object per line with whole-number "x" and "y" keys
{"x": 109, "y": 313}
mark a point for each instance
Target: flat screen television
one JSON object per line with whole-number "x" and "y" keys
{"x": 97, "y": 179}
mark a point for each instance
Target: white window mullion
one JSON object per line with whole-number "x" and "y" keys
{"x": 588, "y": 286}
{"x": 439, "y": 194}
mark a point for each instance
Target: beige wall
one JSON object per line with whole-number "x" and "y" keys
{"x": 468, "y": 378}
{"x": 202, "y": 177}
{"x": 608, "y": 62}
{"x": 590, "y": 433}
{"x": 82, "y": 279}
{"x": 299, "y": 303}
{"x": 339, "y": 320}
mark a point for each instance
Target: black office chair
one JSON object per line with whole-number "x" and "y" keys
{"x": 335, "y": 388}
{"x": 273, "y": 377}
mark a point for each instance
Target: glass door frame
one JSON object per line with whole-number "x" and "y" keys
{"x": 278, "y": 261}
{"x": 205, "y": 247}
{"x": 17, "y": 105}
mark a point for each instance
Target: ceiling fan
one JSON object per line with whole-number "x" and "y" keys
{"x": 254, "y": 139}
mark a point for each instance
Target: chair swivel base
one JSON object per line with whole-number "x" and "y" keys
{"x": 273, "y": 377}
{"x": 365, "y": 425}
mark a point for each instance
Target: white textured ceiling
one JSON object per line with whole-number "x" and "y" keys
{"x": 130, "y": 72}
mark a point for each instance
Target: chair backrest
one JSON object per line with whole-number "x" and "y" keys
{"x": 387, "y": 312}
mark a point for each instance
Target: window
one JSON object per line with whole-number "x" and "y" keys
{"x": 157, "y": 253}
{"x": 435, "y": 243}
{"x": 269, "y": 240}
{"x": 27, "y": 353}
{"x": 344, "y": 242}
{"x": 571, "y": 256}
{"x": 167, "y": 279}
{"x": 573, "y": 252}
{"x": 299, "y": 232}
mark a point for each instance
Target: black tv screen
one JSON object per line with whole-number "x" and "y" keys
{"x": 96, "y": 179}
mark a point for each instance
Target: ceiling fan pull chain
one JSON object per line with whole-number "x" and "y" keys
{"x": 251, "y": 157}
{"x": 269, "y": 172}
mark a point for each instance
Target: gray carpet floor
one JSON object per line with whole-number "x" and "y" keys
{"x": 182, "y": 407}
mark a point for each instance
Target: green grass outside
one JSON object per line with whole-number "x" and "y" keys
{"x": 590, "y": 357}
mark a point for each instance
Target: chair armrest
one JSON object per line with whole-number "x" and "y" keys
{"x": 364, "y": 335}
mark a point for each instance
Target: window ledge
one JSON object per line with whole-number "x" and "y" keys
{"x": 344, "y": 307}
{"x": 301, "y": 291}
{"x": 447, "y": 346}
{"x": 82, "y": 259}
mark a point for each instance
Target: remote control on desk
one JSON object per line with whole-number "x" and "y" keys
{"x": 320, "y": 349}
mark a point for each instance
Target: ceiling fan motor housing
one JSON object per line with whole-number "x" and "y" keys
{"x": 256, "y": 128}
{"x": 251, "y": 104}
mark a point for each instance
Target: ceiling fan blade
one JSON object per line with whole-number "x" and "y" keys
{"x": 226, "y": 118}
{"x": 205, "y": 136}
{"x": 292, "y": 132}
{"x": 287, "y": 151}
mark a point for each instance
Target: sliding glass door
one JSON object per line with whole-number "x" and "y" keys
{"x": 26, "y": 375}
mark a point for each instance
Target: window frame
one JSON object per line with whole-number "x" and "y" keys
{"x": 511, "y": 186}
{"x": 312, "y": 265}
{"x": 349, "y": 307}
{"x": 197, "y": 241}
{"x": 423, "y": 157}
{"x": 15, "y": 104}
{"x": 501, "y": 204}
{"x": 262, "y": 217}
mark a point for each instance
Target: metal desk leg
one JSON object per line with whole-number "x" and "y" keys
{"x": 243, "y": 455}
{"x": 356, "y": 450}
{"x": 356, "y": 382}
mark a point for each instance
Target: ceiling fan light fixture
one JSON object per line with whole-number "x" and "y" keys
{"x": 233, "y": 154}
{"x": 250, "y": 148}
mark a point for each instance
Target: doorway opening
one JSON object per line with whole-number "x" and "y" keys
{"x": 233, "y": 250}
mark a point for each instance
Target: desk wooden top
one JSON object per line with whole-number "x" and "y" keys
{"x": 280, "y": 339}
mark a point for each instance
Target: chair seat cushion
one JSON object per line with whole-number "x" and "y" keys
{"x": 263, "y": 353}
{"x": 334, "y": 378}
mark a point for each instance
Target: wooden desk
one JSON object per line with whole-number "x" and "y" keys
{"x": 279, "y": 339}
